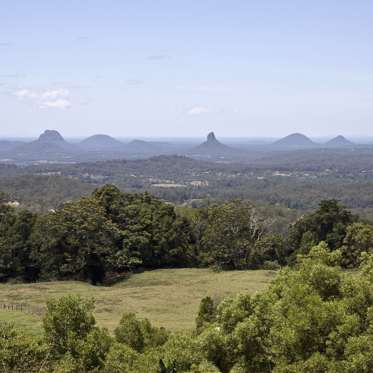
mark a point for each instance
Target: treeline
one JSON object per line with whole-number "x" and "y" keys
{"x": 95, "y": 238}
{"x": 109, "y": 234}
{"x": 314, "y": 318}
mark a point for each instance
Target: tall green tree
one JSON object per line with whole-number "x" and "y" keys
{"x": 328, "y": 223}
{"x": 76, "y": 241}
{"x": 231, "y": 233}
{"x": 15, "y": 244}
{"x": 358, "y": 239}
{"x": 150, "y": 229}
{"x": 68, "y": 320}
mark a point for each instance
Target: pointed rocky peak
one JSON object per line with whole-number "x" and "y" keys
{"x": 212, "y": 148}
{"x": 51, "y": 136}
{"x": 211, "y": 137}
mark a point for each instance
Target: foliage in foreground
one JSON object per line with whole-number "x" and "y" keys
{"x": 314, "y": 318}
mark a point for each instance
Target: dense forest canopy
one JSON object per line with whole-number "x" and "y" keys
{"x": 103, "y": 237}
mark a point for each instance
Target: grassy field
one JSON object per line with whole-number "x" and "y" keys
{"x": 168, "y": 297}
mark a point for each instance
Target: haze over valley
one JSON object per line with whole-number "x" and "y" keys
{"x": 51, "y": 146}
{"x": 280, "y": 172}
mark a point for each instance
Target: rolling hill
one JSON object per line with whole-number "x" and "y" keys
{"x": 293, "y": 141}
{"x": 101, "y": 143}
{"x": 339, "y": 142}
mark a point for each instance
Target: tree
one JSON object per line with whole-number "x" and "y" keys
{"x": 94, "y": 349}
{"x": 180, "y": 353}
{"x": 68, "y": 320}
{"x": 313, "y": 318}
{"x": 359, "y": 239}
{"x": 230, "y": 236}
{"x": 15, "y": 244}
{"x": 21, "y": 353}
{"x": 139, "y": 334}
{"x": 329, "y": 223}
{"x": 120, "y": 359}
{"x": 77, "y": 241}
{"x": 270, "y": 250}
{"x": 99, "y": 238}
{"x": 206, "y": 313}
{"x": 150, "y": 229}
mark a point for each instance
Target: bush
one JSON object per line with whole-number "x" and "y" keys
{"x": 21, "y": 353}
{"x": 139, "y": 334}
{"x": 67, "y": 321}
{"x": 120, "y": 359}
{"x": 206, "y": 313}
{"x": 313, "y": 318}
{"x": 270, "y": 265}
{"x": 359, "y": 239}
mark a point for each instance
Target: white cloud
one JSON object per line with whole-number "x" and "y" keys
{"x": 54, "y": 94}
{"x": 26, "y": 93}
{"x": 198, "y": 110}
{"x": 60, "y": 103}
{"x": 51, "y": 98}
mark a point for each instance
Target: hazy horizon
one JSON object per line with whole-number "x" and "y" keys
{"x": 196, "y": 139}
{"x": 316, "y": 137}
{"x": 179, "y": 69}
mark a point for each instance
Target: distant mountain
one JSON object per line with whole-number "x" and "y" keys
{"x": 212, "y": 148}
{"x": 50, "y": 146}
{"x": 141, "y": 146}
{"x": 100, "y": 143}
{"x": 51, "y": 136}
{"x": 339, "y": 142}
{"x": 295, "y": 140}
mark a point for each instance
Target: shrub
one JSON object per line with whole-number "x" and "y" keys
{"x": 67, "y": 321}
{"x": 139, "y": 334}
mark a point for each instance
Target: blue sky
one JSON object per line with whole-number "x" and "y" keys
{"x": 185, "y": 67}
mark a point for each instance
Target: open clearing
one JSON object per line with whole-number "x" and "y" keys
{"x": 167, "y": 297}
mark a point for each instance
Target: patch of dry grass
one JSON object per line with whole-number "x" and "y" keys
{"x": 167, "y": 297}
{"x": 23, "y": 321}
